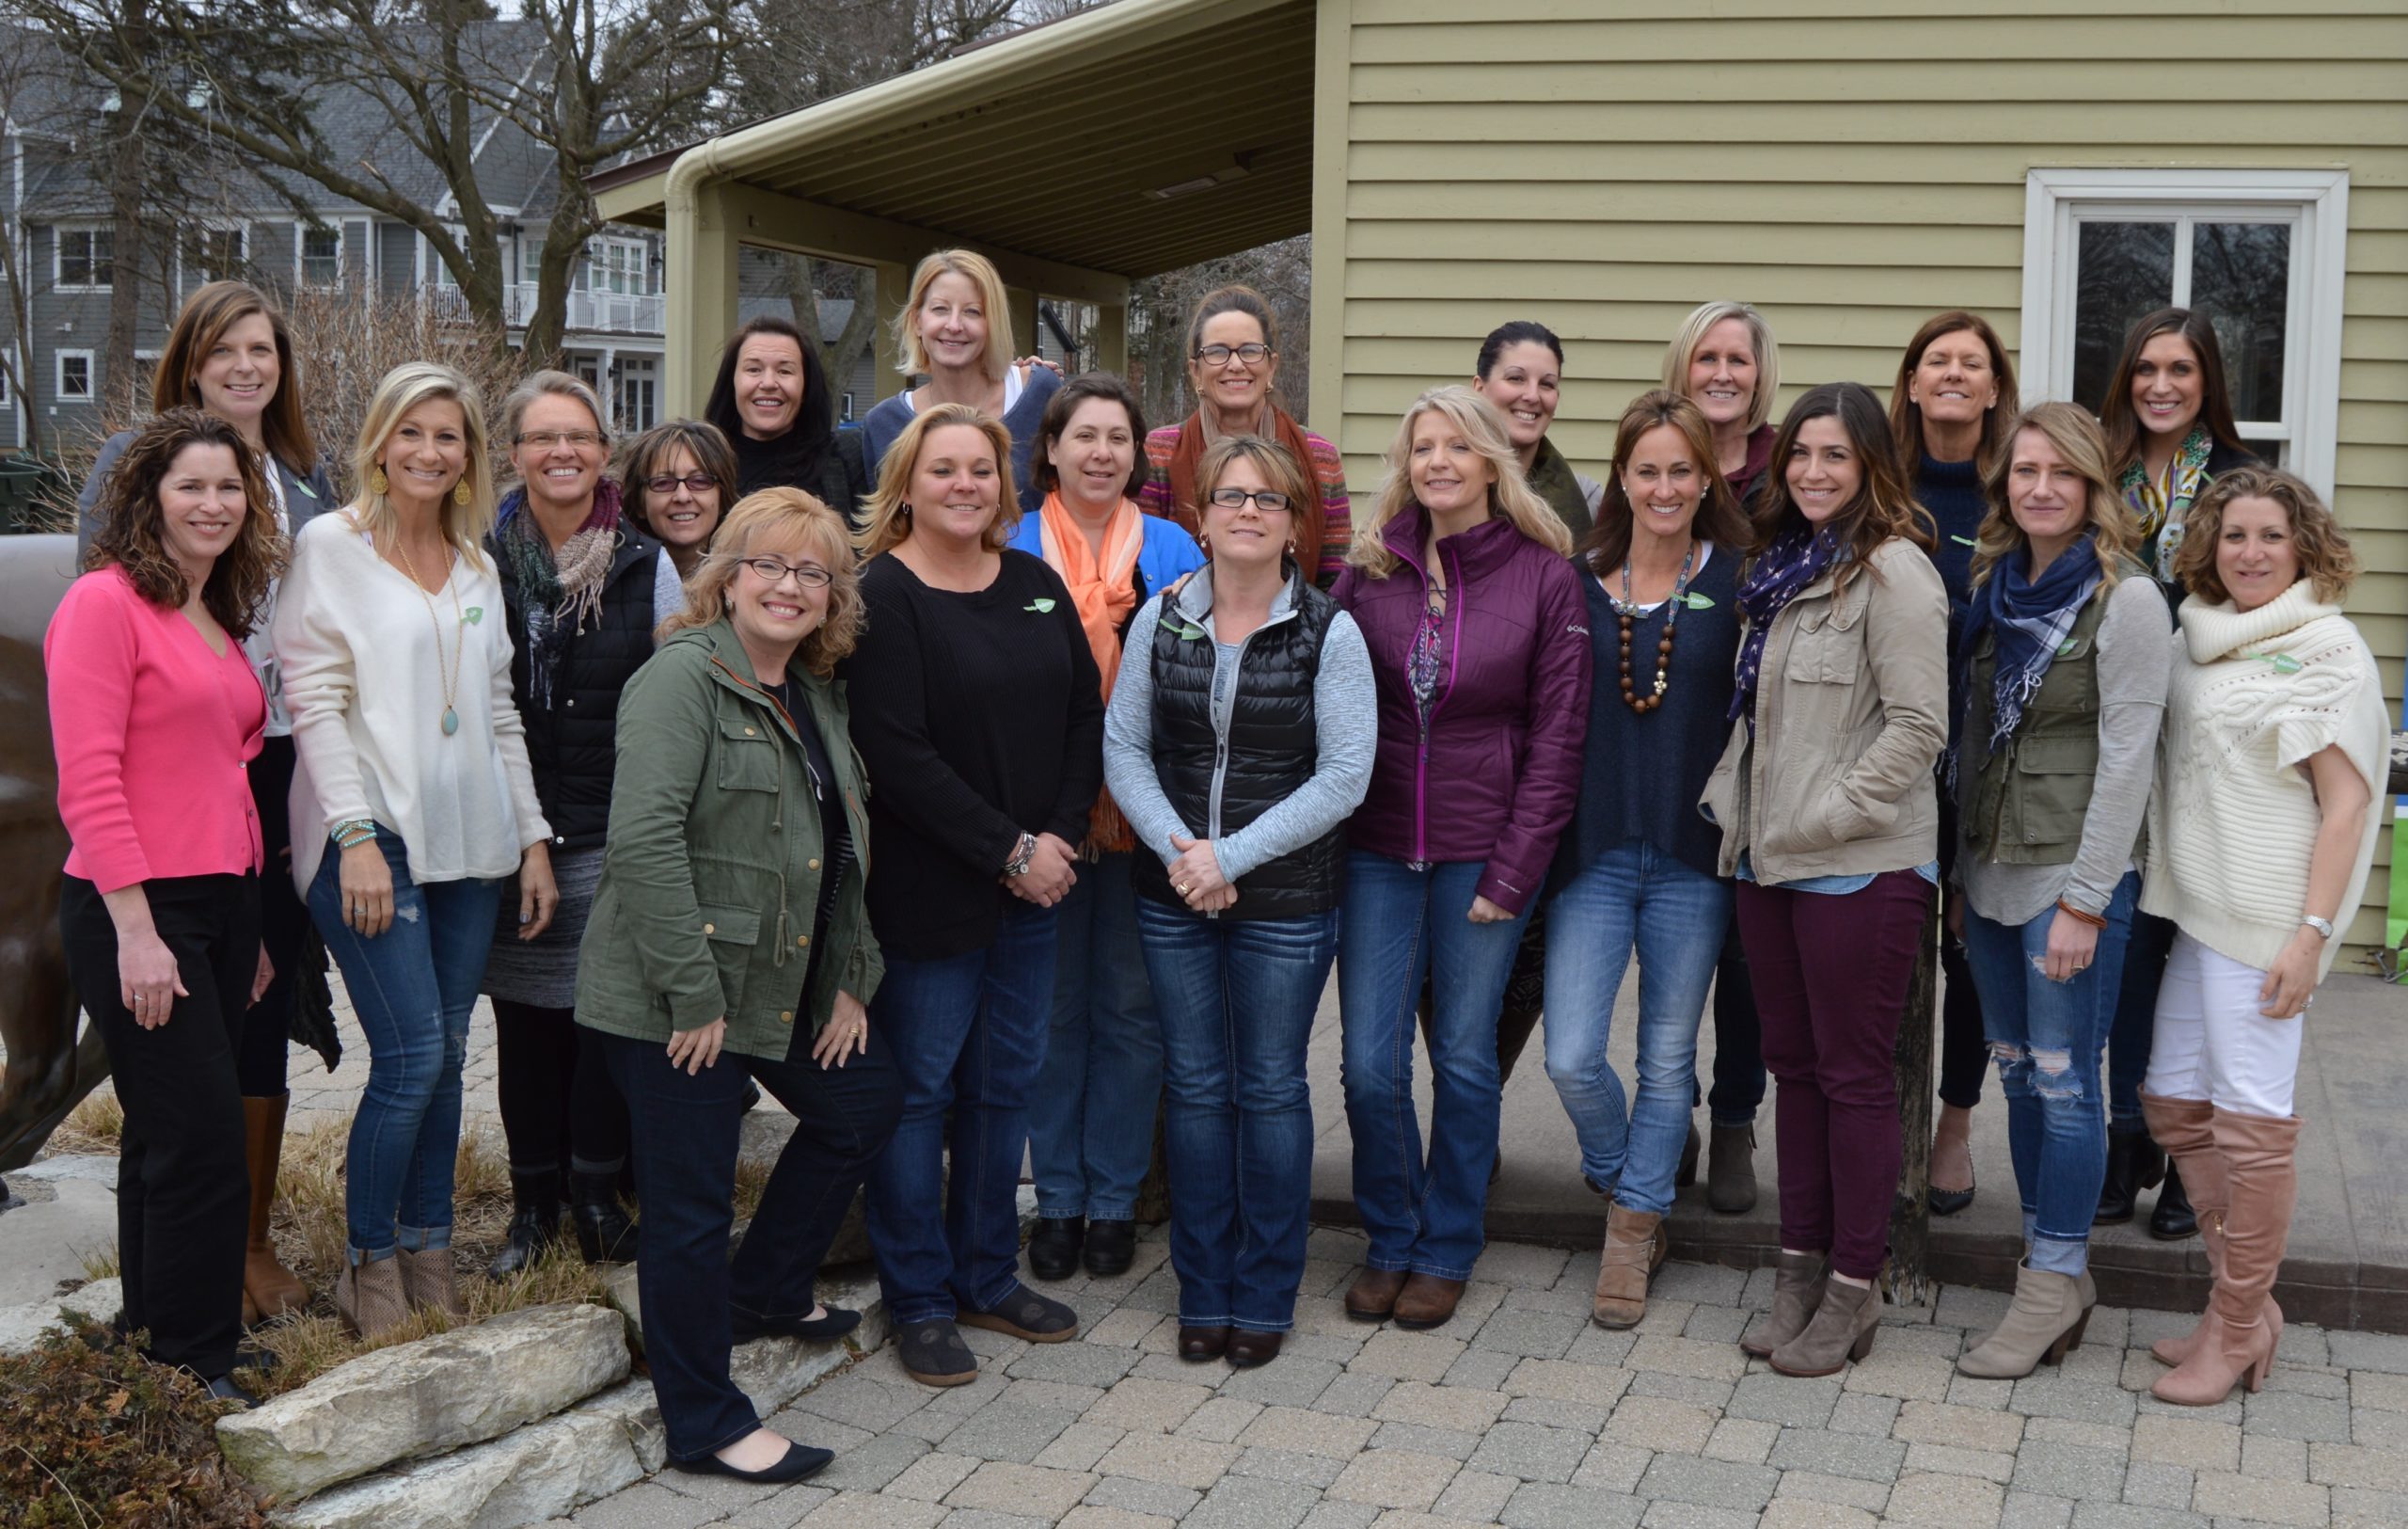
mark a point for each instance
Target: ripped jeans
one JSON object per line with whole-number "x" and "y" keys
{"x": 2047, "y": 1038}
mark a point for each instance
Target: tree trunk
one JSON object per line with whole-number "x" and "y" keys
{"x": 128, "y": 165}
{"x": 1909, "y": 1281}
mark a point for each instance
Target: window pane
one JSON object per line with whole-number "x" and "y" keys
{"x": 2123, "y": 271}
{"x": 2241, "y": 276}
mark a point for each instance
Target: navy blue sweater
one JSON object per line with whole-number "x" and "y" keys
{"x": 1953, "y": 492}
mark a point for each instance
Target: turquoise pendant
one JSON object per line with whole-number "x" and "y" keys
{"x": 451, "y": 722}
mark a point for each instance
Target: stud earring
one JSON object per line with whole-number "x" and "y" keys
{"x": 378, "y": 482}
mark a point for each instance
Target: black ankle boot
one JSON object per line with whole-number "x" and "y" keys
{"x": 1111, "y": 1247}
{"x": 534, "y": 1221}
{"x": 1053, "y": 1247}
{"x": 2174, "y": 1219}
{"x": 2134, "y": 1163}
{"x": 604, "y": 1234}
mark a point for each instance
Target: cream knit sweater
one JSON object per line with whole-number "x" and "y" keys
{"x": 2254, "y": 695}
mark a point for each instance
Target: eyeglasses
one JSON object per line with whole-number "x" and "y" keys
{"x": 1268, "y": 501}
{"x": 544, "y": 440}
{"x": 694, "y": 482}
{"x": 773, "y": 571}
{"x": 1252, "y": 355}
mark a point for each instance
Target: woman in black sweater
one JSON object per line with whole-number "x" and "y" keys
{"x": 978, "y": 710}
{"x": 1954, "y": 396}
{"x": 771, "y": 399}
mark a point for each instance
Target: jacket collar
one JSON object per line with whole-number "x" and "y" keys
{"x": 1193, "y": 601}
{"x": 732, "y": 669}
{"x": 1483, "y": 548}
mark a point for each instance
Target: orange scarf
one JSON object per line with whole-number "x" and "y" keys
{"x": 1104, "y": 590}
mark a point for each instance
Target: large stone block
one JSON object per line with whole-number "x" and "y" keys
{"x": 21, "y": 1326}
{"x": 423, "y": 1398}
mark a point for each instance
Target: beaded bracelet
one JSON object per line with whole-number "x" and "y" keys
{"x": 353, "y": 832}
{"x": 2094, "y": 921}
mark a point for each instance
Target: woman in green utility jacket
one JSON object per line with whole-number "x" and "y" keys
{"x": 729, "y": 939}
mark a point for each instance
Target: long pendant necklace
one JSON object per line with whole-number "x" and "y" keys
{"x": 435, "y": 619}
{"x": 1627, "y": 609}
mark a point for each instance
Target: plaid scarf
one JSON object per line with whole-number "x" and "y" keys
{"x": 556, "y": 589}
{"x": 1797, "y": 558}
{"x": 2031, "y": 620}
{"x": 2158, "y": 511}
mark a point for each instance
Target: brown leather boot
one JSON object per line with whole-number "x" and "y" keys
{"x": 429, "y": 1282}
{"x": 1426, "y": 1302}
{"x": 2185, "y": 1129}
{"x": 1622, "y": 1269}
{"x": 2237, "y": 1343}
{"x": 1372, "y": 1296}
{"x": 269, "y": 1289}
{"x": 369, "y": 1297}
{"x": 1796, "y": 1290}
{"x": 1842, "y": 1329}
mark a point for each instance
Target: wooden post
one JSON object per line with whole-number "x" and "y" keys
{"x": 1908, "y": 1280}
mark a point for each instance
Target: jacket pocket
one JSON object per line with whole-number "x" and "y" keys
{"x": 734, "y": 933}
{"x": 748, "y": 755}
{"x": 1826, "y": 649}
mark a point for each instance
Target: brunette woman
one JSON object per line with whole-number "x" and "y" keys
{"x": 230, "y": 354}
{"x": 1954, "y": 398}
{"x": 1475, "y": 626}
{"x": 2170, "y": 433}
{"x": 155, "y": 712}
{"x": 1636, "y": 869}
{"x": 956, "y": 329}
{"x": 730, "y": 941}
{"x": 678, "y": 482}
{"x": 2066, "y": 661}
{"x": 2261, "y": 840}
{"x": 981, "y": 720}
{"x": 582, "y": 591}
{"x": 1830, "y": 823}
{"x": 412, "y": 803}
{"x": 770, "y": 402}
{"x": 1233, "y": 365}
{"x": 1091, "y": 1120}
{"x": 1723, "y": 359}
{"x": 1239, "y": 763}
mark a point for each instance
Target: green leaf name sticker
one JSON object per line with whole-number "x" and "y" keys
{"x": 1187, "y": 632}
{"x": 1964, "y": 541}
{"x": 1696, "y": 601}
{"x": 2065, "y": 649}
{"x": 2284, "y": 663}
{"x": 472, "y": 617}
{"x": 1042, "y": 605}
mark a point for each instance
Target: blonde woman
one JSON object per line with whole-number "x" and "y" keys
{"x": 412, "y": 802}
{"x": 2260, "y": 846}
{"x": 1461, "y": 583}
{"x": 2065, "y": 685}
{"x": 956, "y": 329}
{"x": 979, "y": 712}
{"x": 1723, "y": 359}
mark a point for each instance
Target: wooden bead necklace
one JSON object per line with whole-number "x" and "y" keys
{"x": 1627, "y": 609}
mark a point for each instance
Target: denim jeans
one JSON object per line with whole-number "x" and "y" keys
{"x": 1237, "y": 999}
{"x": 413, "y": 988}
{"x": 2134, "y": 1034}
{"x": 969, "y": 1036}
{"x": 1634, "y": 896}
{"x": 1397, "y": 925}
{"x": 1091, "y": 1121}
{"x": 2047, "y": 1036}
{"x": 685, "y": 1132}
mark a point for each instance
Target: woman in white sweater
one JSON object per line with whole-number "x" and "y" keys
{"x": 412, "y": 802}
{"x": 2260, "y": 837}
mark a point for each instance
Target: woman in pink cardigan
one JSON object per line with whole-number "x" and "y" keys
{"x": 155, "y": 712}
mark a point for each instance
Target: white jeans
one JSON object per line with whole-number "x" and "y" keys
{"x": 2213, "y": 1043}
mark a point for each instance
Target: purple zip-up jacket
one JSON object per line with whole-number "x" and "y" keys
{"x": 1495, "y": 777}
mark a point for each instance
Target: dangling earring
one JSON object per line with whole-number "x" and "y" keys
{"x": 378, "y": 483}
{"x": 460, "y": 494}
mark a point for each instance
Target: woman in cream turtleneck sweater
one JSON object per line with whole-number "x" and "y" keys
{"x": 2261, "y": 835}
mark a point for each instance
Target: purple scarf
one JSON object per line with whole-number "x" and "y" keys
{"x": 1795, "y": 558}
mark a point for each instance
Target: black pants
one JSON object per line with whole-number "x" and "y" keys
{"x": 183, "y": 1188}
{"x": 559, "y": 1110}
{"x": 685, "y": 1131}
{"x": 1738, "y": 1036}
{"x": 1964, "y": 1051}
{"x": 284, "y": 923}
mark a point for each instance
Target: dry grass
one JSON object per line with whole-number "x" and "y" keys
{"x": 92, "y": 1128}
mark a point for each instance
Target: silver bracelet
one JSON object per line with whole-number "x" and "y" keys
{"x": 2321, "y": 926}
{"x": 1023, "y": 852}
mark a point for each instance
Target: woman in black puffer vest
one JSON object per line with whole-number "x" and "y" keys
{"x": 582, "y": 591}
{"x": 1237, "y": 748}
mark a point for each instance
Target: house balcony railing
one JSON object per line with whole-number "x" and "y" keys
{"x": 588, "y": 312}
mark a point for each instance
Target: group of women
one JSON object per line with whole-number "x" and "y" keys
{"x": 1142, "y": 731}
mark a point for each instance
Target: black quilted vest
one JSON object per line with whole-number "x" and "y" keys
{"x": 1271, "y": 750}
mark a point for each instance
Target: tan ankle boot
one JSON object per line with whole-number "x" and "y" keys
{"x": 1796, "y": 1290}
{"x": 2184, "y": 1127}
{"x": 429, "y": 1282}
{"x": 1629, "y": 1258}
{"x": 369, "y": 1297}
{"x": 2237, "y": 1343}
{"x": 269, "y": 1289}
{"x": 2047, "y": 1318}
{"x": 1842, "y": 1329}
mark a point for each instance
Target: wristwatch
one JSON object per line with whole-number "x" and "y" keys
{"x": 2321, "y": 926}
{"x": 1023, "y": 852}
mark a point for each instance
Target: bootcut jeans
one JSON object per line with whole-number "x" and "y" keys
{"x": 1091, "y": 1119}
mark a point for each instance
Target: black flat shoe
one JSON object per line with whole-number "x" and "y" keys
{"x": 1198, "y": 1344}
{"x": 1053, "y": 1247}
{"x": 933, "y": 1353}
{"x": 799, "y": 1460}
{"x": 534, "y": 1223}
{"x": 834, "y": 1322}
{"x": 224, "y": 1388}
{"x": 2174, "y": 1219}
{"x": 2134, "y": 1163}
{"x": 1112, "y": 1247}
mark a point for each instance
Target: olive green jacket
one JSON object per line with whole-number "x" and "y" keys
{"x": 710, "y": 873}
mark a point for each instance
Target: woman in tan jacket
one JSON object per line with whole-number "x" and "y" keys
{"x": 1831, "y": 823}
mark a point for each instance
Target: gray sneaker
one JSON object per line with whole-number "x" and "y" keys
{"x": 1025, "y": 1313}
{"x": 933, "y": 1353}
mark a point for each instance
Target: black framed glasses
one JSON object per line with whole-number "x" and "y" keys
{"x": 694, "y": 482}
{"x": 1268, "y": 501}
{"x": 773, "y": 570}
{"x": 1252, "y": 354}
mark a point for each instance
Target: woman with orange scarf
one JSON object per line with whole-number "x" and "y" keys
{"x": 1091, "y": 1120}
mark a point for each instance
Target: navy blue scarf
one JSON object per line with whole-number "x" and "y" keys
{"x": 2031, "y": 620}
{"x": 1795, "y": 558}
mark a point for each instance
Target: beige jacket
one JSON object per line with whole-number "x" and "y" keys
{"x": 1851, "y": 712}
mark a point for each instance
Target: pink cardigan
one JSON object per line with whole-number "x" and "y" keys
{"x": 152, "y": 730}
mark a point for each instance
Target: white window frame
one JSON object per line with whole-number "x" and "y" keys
{"x": 242, "y": 236}
{"x": 301, "y": 232}
{"x": 59, "y": 282}
{"x": 4, "y": 398}
{"x": 639, "y": 266}
{"x": 633, "y": 371}
{"x": 2315, "y": 204}
{"x": 58, "y": 377}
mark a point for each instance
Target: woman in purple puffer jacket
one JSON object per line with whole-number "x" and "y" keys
{"x": 1479, "y": 648}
